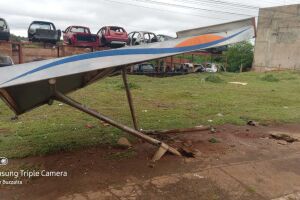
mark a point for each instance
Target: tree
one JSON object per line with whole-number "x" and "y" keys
{"x": 16, "y": 38}
{"x": 239, "y": 56}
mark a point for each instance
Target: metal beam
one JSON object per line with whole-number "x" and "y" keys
{"x": 62, "y": 98}
{"x": 129, "y": 98}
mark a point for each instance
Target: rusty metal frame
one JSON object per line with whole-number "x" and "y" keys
{"x": 163, "y": 148}
{"x": 9, "y": 101}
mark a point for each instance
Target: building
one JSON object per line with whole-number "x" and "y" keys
{"x": 277, "y": 45}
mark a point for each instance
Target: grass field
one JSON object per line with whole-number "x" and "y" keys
{"x": 161, "y": 103}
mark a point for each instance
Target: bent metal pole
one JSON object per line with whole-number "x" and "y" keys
{"x": 62, "y": 98}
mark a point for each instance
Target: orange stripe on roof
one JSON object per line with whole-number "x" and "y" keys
{"x": 202, "y": 39}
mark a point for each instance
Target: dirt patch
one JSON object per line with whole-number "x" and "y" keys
{"x": 4, "y": 130}
{"x": 96, "y": 173}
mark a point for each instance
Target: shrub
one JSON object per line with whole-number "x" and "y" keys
{"x": 239, "y": 54}
{"x": 269, "y": 78}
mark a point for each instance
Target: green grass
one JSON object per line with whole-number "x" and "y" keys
{"x": 214, "y": 79}
{"x": 161, "y": 103}
{"x": 269, "y": 78}
{"x": 131, "y": 86}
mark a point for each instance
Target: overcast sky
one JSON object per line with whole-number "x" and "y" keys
{"x": 165, "y": 17}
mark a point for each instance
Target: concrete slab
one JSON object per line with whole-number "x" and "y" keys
{"x": 269, "y": 179}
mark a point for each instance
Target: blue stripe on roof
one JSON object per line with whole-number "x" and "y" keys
{"x": 119, "y": 52}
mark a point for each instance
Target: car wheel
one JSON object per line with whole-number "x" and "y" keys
{"x": 136, "y": 43}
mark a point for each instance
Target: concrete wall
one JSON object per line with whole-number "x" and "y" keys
{"x": 278, "y": 39}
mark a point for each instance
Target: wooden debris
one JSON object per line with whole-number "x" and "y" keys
{"x": 252, "y": 123}
{"x": 283, "y": 137}
{"x": 180, "y": 130}
{"x": 186, "y": 152}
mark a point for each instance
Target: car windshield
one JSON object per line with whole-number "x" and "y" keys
{"x": 2, "y": 24}
{"x": 117, "y": 29}
{"x": 147, "y": 67}
{"x": 41, "y": 26}
{"x": 146, "y": 36}
{"x": 79, "y": 30}
{"x": 208, "y": 65}
{"x": 136, "y": 35}
{"x": 5, "y": 60}
{"x": 153, "y": 37}
{"x": 150, "y": 37}
{"x": 198, "y": 65}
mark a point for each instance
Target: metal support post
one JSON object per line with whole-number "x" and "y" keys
{"x": 129, "y": 98}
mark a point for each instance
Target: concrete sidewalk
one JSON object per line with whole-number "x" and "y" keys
{"x": 273, "y": 179}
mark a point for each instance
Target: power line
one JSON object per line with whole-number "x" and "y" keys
{"x": 157, "y": 9}
{"x": 222, "y": 6}
{"x": 226, "y": 3}
{"x": 190, "y": 7}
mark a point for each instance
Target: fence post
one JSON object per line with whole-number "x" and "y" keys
{"x": 58, "y": 51}
{"x": 20, "y": 53}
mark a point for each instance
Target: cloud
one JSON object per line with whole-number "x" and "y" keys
{"x": 130, "y": 14}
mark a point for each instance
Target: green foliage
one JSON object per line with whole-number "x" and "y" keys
{"x": 201, "y": 58}
{"x": 214, "y": 79}
{"x": 16, "y": 38}
{"x": 239, "y": 54}
{"x": 195, "y": 58}
{"x": 270, "y": 78}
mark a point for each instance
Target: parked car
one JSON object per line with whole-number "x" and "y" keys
{"x": 5, "y": 61}
{"x": 186, "y": 67}
{"x": 112, "y": 36}
{"x": 211, "y": 67}
{"x": 80, "y": 36}
{"x": 4, "y": 30}
{"x": 199, "y": 68}
{"x": 162, "y": 38}
{"x": 141, "y": 37}
{"x": 143, "y": 68}
{"x": 41, "y": 31}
